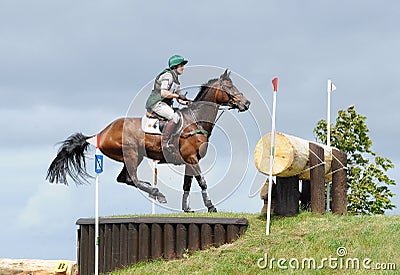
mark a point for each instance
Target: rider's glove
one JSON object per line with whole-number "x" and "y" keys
{"x": 182, "y": 97}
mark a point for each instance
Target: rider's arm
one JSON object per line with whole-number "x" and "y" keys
{"x": 166, "y": 82}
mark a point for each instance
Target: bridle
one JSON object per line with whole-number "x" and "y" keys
{"x": 232, "y": 95}
{"x": 230, "y": 104}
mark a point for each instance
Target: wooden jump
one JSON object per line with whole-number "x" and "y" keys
{"x": 313, "y": 163}
{"x": 126, "y": 241}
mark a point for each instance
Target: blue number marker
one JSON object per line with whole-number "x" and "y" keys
{"x": 98, "y": 163}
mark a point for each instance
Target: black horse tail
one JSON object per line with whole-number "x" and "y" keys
{"x": 70, "y": 160}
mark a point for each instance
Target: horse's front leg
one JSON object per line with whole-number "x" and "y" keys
{"x": 206, "y": 199}
{"x": 187, "y": 183}
{"x": 203, "y": 185}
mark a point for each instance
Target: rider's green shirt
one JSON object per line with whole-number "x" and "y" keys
{"x": 155, "y": 95}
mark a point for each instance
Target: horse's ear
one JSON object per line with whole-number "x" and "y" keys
{"x": 225, "y": 75}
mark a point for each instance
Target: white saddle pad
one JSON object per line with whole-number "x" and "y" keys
{"x": 150, "y": 125}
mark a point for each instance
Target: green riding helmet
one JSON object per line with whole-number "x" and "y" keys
{"x": 175, "y": 60}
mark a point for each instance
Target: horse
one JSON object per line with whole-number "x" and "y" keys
{"x": 123, "y": 140}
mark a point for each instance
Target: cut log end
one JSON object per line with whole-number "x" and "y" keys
{"x": 283, "y": 154}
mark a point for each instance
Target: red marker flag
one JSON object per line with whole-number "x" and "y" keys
{"x": 275, "y": 83}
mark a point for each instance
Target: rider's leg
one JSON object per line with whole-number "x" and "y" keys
{"x": 168, "y": 131}
{"x": 164, "y": 110}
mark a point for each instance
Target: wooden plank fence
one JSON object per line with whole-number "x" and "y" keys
{"x": 126, "y": 241}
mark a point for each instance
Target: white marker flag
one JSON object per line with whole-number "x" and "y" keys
{"x": 331, "y": 86}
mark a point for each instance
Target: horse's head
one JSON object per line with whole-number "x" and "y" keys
{"x": 222, "y": 92}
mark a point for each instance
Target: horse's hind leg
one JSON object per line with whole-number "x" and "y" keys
{"x": 128, "y": 174}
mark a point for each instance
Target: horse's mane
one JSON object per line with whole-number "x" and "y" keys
{"x": 205, "y": 86}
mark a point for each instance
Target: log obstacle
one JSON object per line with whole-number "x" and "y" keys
{"x": 313, "y": 163}
{"x": 126, "y": 241}
{"x": 292, "y": 156}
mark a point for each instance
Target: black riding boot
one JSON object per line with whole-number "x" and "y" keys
{"x": 167, "y": 146}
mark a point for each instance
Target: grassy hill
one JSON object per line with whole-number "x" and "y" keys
{"x": 305, "y": 244}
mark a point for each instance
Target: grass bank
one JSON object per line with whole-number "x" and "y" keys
{"x": 305, "y": 244}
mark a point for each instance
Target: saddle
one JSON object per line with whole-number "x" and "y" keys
{"x": 154, "y": 124}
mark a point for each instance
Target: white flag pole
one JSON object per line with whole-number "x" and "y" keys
{"x": 96, "y": 261}
{"x": 330, "y": 88}
{"x": 155, "y": 178}
{"x": 98, "y": 169}
{"x": 328, "y": 120}
{"x": 271, "y": 156}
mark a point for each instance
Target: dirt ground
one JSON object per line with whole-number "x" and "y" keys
{"x": 31, "y": 267}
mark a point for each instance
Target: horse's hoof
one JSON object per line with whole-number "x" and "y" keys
{"x": 212, "y": 209}
{"x": 161, "y": 198}
{"x": 188, "y": 210}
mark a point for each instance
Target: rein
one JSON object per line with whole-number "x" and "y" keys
{"x": 200, "y": 129}
{"x": 219, "y": 116}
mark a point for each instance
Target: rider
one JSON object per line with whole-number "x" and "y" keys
{"x": 160, "y": 101}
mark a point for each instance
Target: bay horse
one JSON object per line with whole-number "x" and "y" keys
{"x": 124, "y": 140}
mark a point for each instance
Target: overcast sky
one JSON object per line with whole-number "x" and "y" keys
{"x": 75, "y": 66}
